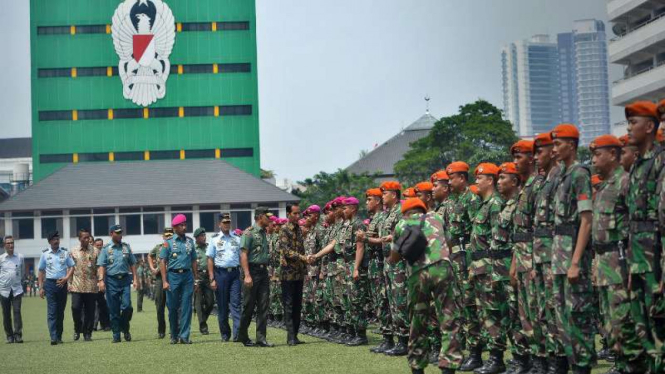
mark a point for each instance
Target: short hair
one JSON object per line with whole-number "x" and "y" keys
{"x": 83, "y": 231}
{"x": 99, "y": 240}
{"x": 7, "y": 237}
{"x": 289, "y": 207}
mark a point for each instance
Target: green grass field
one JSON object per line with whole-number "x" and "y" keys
{"x": 147, "y": 354}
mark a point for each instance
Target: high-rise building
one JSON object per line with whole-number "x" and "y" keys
{"x": 639, "y": 45}
{"x": 143, "y": 80}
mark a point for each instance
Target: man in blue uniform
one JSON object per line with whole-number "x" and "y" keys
{"x": 178, "y": 266}
{"x": 55, "y": 269}
{"x": 116, "y": 263}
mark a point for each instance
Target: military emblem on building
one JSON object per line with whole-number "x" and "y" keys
{"x": 143, "y": 35}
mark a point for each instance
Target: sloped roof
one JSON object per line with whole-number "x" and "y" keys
{"x": 145, "y": 183}
{"x": 383, "y": 158}
{"x": 16, "y": 148}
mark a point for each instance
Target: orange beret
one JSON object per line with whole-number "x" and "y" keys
{"x": 376, "y": 192}
{"x": 391, "y": 186}
{"x": 661, "y": 107}
{"x": 565, "y": 131}
{"x": 424, "y": 186}
{"x": 508, "y": 168}
{"x": 440, "y": 175}
{"x": 624, "y": 140}
{"x": 413, "y": 203}
{"x": 642, "y": 109}
{"x": 457, "y": 167}
{"x": 474, "y": 188}
{"x": 596, "y": 180}
{"x": 542, "y": 140}
{"x": 409, "y": 192}
{"x": 522, "y": 146}
{"x": 487, "y": 168}
{"x": 605, "y": 141}
{"x": 659, "y": 135}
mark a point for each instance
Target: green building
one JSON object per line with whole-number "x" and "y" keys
{"x": 207, "y": 108}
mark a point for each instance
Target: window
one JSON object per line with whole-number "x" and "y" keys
{"x": 165, "y": 155}
{"x": 153, "y": 223}
{"x": 128, "y": 156}
{"x": 55, "y": 115}
{"x": 77, "y": 223}
{"x": 241, "y": 219}
{"x": 102, "y": 225}
{"x": 237, "y": 152}
{"x": 235, "y": 110}
{"x": 23, "y": 228}
{"x": 199, "y": 111}
{"x": 2, "y": 227}
{"x": 51, "y": 224}
{"x": 200, "y": 153}
{"x": 207, "y": 221}
{"x": 90, "y": 157}
{"x": 131, "y": 224}
{"x": 241, "y": 206}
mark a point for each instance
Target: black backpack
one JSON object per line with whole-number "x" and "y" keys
{"x": 411, "y": 245}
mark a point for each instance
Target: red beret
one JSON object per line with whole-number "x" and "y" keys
{"x": 487, "y": 168}
{"x": 565, "y": 131}
{"x": 642, "y": 109}
{"x": 376, "y": 192}
{"x": 413, "y": 203}
{"x": 410, "y": 192}
{"x": 424, "y": 186}
{"x": 391, "y": 186}
{"x": 542, "y": 140}
{"x": 661, "y": 106}
{"x": 457, "y": 167}
{"x": 624, "y": 140}
{"x": 522, "y": 146}
{"x": 508, "y": 168}
{"x": 605, "y": 141}
{"x": 440, "y": 175}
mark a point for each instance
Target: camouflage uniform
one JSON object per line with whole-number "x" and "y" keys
{"x": 274, "y": 272}
{"x": 644, "y": 251}
{"x": 312, "y": 246}
{"x": 204, "y": 297}
{"x": 610, "y": 227}
{"x": 160, "y": 295}
{"x": 543, "y": 222}
{"x": 431, "y": 285}
{"x": 490, "y": 294}
{"x": 395, "y": 277}
{"x": 573, "y": 301}
{"x": 461, "y": 209}
{"x": 334, "y": 299}
{"x": 356, "y": 295}
{"x": 377, "y": 283}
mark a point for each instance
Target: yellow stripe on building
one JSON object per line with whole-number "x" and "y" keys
{"x": 109, "y": 71}
{"x": 146, "y": 155}
{"x": 73, "y": 72}
{"x": 178, "y": 27}
{"x": 182, "y": 154}
{"x": 110, "y": 115}
{"x": 215, "y": 68}
{"x": 181, "y": 112}
{"x": 111, "y": 156}
{"x": 216, "y": 111}
{"x": 218, "y": 153}
{"x": 72, "y": 30}
{"x": 108, "y": 29}
{"x": 146, "y": 113}
{"x": 75, "y": 115}
{"x": 179, "y": 69}
{"x": 214, "y": 26}
{"x": 75, "y": 158}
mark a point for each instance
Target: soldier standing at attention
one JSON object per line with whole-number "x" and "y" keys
{"x": 571, "y": 261}
{"x": 441, "y": 192}
{"x": 312, "y": 244}
{"x": 204, "y": 297}
{"x": 424, "y": 193}
{"x": 254, "y": 260}
{"x": 83, "y": 286}
{"x": 11, "y": 294}
{"x": 629, "y": 153}
{"x": 160, "y": 295}
{"x": 431, "y": 286}
{"x": 101, "y": 308}
{"x": 463, "y": 207}
{"x": 116, "y": 263}
{"x": 178, "y": 266}
{"x": 610, "y": 239}
{"x": 55, "y": 269}
{"x": 356, "y": 270}
{"x": 140, "y": 289}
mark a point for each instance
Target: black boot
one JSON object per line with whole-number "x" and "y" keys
{"x": 447, "y": 371}
{"x": 360, "y": 339}
{"x": 334, "y": 333}
{"x": 400, "y": 349}
{"x": 581, "y": 370}
{"x": 558, "y": 365}
{"x": 386, "y": 344}
{"x": 474, "y": 361}
{"x": 522, "y": 364}
{"x": 540, "y": 366}
{"x": 417, "y": 371}
{"x": 434, "y": 355}
{"x": 494, "y": 365}
{"x": 350, "y": 335}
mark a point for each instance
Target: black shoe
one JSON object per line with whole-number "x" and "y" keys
{"x": 417, "y": 371}
{"x": 400, "y": 349}
{"x": 447, "y": 371}
{"x": 264, "y": 344}
{"x": 18, "y": 339}
{"x": 581, "y": 370}
{"x": 235, "y": 339}
{"x": 54, "y": 342}
{"x": 474, "y": 361}
{"x": 87, "y": 337}
{"x": 494, "y": 365}
{"x": 386, "y": 344}
{"x": 174, "y": 341}
{"x": 205, "y": 332}
{"x": 60, "y": 341}
{"x": 77, "y": 336}
{"x": 225, "y": 338}
{"x": 161, "y": 335}
{"x": 248, "y": 343}
{"x": 539, "y": 366}
{"x": 359, "y": 339}
{"x": 185, "y": 341}
{"x": 558, "y": 365}
{"x": 128, "y": 337}
{"x": 107, "y": 329}
{"x": 298, "y": 341}
{"x": 434, "y": 356}
{"x": 291, "y": 343}
{"x": 116, "y": 339}
{"x": 10, "y": 339}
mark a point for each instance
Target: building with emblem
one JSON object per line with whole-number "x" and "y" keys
{"x": 143, "y": 80}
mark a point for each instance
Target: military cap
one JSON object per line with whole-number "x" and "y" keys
{"x": 487, "y": 168}
{"x": 624, "y": 140}
{"x": 282, "y": 221}
{"x": 643, "y": 108}
{"x": 259, "y": 210}
{"x": 338, "y": 201}
{"x": 410, "y": 192}
{"x": 351, "y": 201}
{"x": 440, "y": 175}
{"x": 168, "y": 230}
{"x": 522, "y": 146}
{"x": 661, "y": 106}
{"x": 327, "y": 207}
{"x": 225, "y": 217}
{"x": 596, "y": 180}
{"x": 565, "y": 131}
{"x": 179, "y": 219}
{"x": 413, "y": 203}
{"x": 508, "y": 168}
{"x": 391, "y": 186}
{"x": 116, "y": 229}
{"x": 424, "y": 187}
{"x": 52, "y": 235}
{"x": 457, "y": 167}
{"x": 273, "y": 218}
{"x": 376, "y": 192}
{"x": 542, "y": 140}
{"x": 199, "y": 231}
{"x": 605, "y": 141}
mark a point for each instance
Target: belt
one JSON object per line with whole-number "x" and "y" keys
{"x": 456, "y": 241}
{"x": 334, "y": 256}
{"x": 523, "y": 237}
{"x": 229, "y": 269}
{"x": 117, "y": 276}
{"x": 543, "y": 232}
{"x": 565, "y": 230}
{"x": 495, "y": 255}
{"x": 179, "y": 271}
{"x": 203, "y": 271}
{"x": 258, "y": 266}
{"x": 606, "y": 247}
{"x": 643, "y": 226}
{"x": 454, "y": 256}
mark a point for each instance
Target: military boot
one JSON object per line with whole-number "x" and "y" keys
{"x": 494, "y": 365}
{"x": 417, "y": 371}
{"x": 360, "y": 339}
{"x": 558, "y": 365}
{"x": 540, "y": 366}
{"x": 522, "y": 364}
{"x": 386, "y": 344}
{"x": 434, "y": 355}
{"x": 474, "y": 361}
{"x": 400, "y": 349}
{"x": 447, "y": 371}
{"x": 581, "y": 370}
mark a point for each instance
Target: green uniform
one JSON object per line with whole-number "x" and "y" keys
{"x": 356, "y": 292}
{"x": 255, "y": 244}
{"x": 275, "y": 271}
{"x": 431, "y": 285}
{"x": 395, "y": 277}
{"x": 310, "y": 311}
{"x": 376, "y": 276}
{"x": 140, "y": 292}
{"x": 204, "y": 297}
{"x": 609, "y": 233}
{"x": 160, "y": 295}
{"x": 335, "y": 311}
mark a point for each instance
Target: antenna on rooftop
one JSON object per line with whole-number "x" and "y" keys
{"x": 427, "y": 99}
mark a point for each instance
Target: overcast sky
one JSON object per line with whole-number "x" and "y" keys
{"x": 337, "y": 77}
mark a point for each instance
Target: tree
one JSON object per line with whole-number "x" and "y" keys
{"x": 267, "y": 174}
{"x": 324, "y": 187}
{"x": 478, "y": 133}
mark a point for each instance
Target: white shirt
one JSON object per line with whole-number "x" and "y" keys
{"x": 11, "y": 274}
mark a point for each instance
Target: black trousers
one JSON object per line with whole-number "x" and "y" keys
{"x": 12, "y": 304}
{"x": 292, "y": 302}
{"x": 102, "y": 312}
{"x": 160, "y": 305}
{"x": 83, "y": 312}
{"x": 256, "y": 297}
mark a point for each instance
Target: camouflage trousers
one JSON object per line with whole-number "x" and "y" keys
{"x": 519, "y": 343}
{"x": 433, "y": 290}
{"x": 471, "y": 322}
{"x": 530, "y": 334}
{"x": 358, "y": 298}
{"x": 379, "y": 295}
{"x": 320, "y": 304}
{"x": 619, "y": 329}
{"x": 648, "y": 312}
{"x": 309, "y": 310}
{"x": 397, "y": 297}
{"x": 276, "y": 307}
{"x": 491, "y": 301}
{"x": 574, "y": 317}
{"x": 340, "y": 293}
{"x": 545, "y": 316}
{"x": 328, "y": 297}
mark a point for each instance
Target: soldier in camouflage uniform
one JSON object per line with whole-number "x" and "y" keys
{"x": 312, "y": 244}
{"x": 658, "y": 311}
{"x": 204, "y": 296}
{"x": 490, "y": 295}
{"x": 140, "y": 288}
{"x": 610, "y": 236}
{"x": 644, "y": 248}
{"x": 431, "y": 285}
{"x": 629, "y": 153}
{"x": 571, "y": 261}
{"x": 274, "y": 271}
{"x": 440, "y": 192}
{"x": 462, "y": 207}
{"x": 160, "y": 295}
